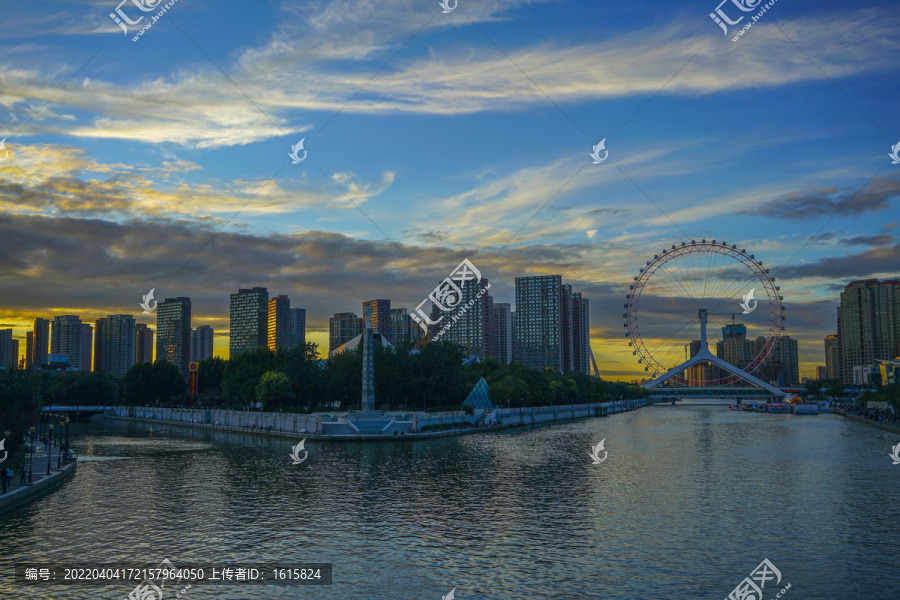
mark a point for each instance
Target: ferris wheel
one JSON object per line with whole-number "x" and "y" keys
{"x": 741, "y": 312}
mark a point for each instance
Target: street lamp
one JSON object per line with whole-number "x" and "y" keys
{"x": 49, "y": 448}
{"x": 67, "y": 434}
{"x": 31, "y": 461}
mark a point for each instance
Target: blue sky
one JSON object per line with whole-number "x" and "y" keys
{"x": 435, "y": 137}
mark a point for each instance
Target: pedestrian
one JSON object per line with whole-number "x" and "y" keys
{"x": 22, "y": 475}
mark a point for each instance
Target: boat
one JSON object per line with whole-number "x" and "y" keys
{"x": 749, "y": 406}
{"x": 761, "y": 407}
{"x": 778, "y": 407}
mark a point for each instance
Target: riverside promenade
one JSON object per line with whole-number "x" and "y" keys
{"x": 20, "y": 494}
{"x": 369, "y": 425}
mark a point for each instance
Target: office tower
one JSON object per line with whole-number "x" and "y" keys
{"x": 782, "y": 367}
{"x": 821, "y": 372}
{"x": 15, "y": 353}
{"x": 539, "y": 321}
{"x": 249, "y": 320}
{"x": 8, "y": 360}
{"x": 118, "y": 345}
{"x": 40, "y": 343}
{"x": 65, "y": 338}
{"x": 581, "y": 334}
{"x": 735, "y": 348}
{"x": 470, "y": 322}
{"x": 143, "y": 343}
{"x": 201, "y": 343}
{"x": 868, "y": 324}
{"x": 342, "y": 328}
{"x": 502, "y": 332}
{"x": 381, "y": 316}
{"x": 832, "y": 357}
{"x": 173, "y": 332}
{"x": 298, "y": 326}
{"x": 87, "y": 345}
{"x": 29, "y": 349}
{"x": 99, "y": 333}
{"x": 405, "y": 330}
{"x": 279, "y": 326}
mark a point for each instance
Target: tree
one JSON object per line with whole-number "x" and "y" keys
{"x": 274, "y": 388}
{"x": 210, "y": 373}
{"x": 145, "y": 383}
{"x": 84, "y": 388}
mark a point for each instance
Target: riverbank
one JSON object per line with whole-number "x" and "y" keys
{"x": 21, "y": 494}
{"x": 891, "y": 428}
{"x": 371, "y": 426}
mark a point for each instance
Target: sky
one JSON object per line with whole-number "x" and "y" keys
{"x": 161, "y": 160}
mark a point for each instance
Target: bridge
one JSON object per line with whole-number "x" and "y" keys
{"x": 758, "y": 389}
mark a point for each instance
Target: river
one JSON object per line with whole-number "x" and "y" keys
{"x": 688, "y": 502}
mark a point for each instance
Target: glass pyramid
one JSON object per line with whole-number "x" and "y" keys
{"x": 478, "y": 397}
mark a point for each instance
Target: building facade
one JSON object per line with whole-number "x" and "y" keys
{"x": 298, "y": 326}
{"x": 502, "y": 332}
{"x": 832, "y": 357}
{"x": 868, "y": 324}
{"x": 173, "y": 332}
{"x": 87, "y": 346}
{"x": 342, "y": 328}
{"x": 99, "y": 333}
{"x": 469, "y": 323}
{"x": 40, "y": 344}
{"x": 279, "y": 327}
{"x": 539, "y": 327}
{"x": 8, "y": 359}
{"x": 381, "y": 316}
{"x": 249, "y": 322}
{"x": 65, "y": 338}
{"x": 117, "y": 351}
{"x": 201, "y": 343}
{"x": 143, "y": 343}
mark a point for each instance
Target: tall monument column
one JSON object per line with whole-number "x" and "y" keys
{"x": 368, "y": 365}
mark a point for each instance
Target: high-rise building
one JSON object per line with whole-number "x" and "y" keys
{"x": 470, "y": 321}
{"x": 821, "y": 373}
{"x": 539, "y": 321}
{"x": 173, "y": 332}
{"x": 868, "y": 324}
{"x": 29, "y": 348}
{"x": 65, "y": 338}
{"x": 87, "y": 345}
{"x": 581, "y": 334}
{"x": 8, "y": 360}
{"x": 279, "y": 326}
{"x": 202, "y": 343}
{"x": 298, "y": 326}
{"x": 552, "y": 328}
{"x": 99, "y": 335}
{"x": 832, "y": 357}
{"x": 143, "y": 343}
{"x": 502, "y": 332}
{"x": 342, "y": 328}
{"x": 249, "y": 325}
{"x": 40, "y": 343}
{"x": 735, "y": 348}
{"x": 381, "y": 316}
{"x": 782, "y": 367}
{"x": 118, "y": 345}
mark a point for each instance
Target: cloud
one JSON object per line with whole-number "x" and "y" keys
{"x": 816, "y": 203}
{"x": 870, "y": 263}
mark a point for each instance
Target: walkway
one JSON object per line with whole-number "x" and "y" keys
{"x": 39, "y": 467}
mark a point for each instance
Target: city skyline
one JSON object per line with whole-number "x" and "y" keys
{"x": 198, "y": 197}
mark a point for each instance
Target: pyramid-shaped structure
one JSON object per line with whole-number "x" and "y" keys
{"x": 478, "y": 397}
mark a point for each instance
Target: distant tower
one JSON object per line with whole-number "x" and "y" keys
{"x": 368, "y": 365}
